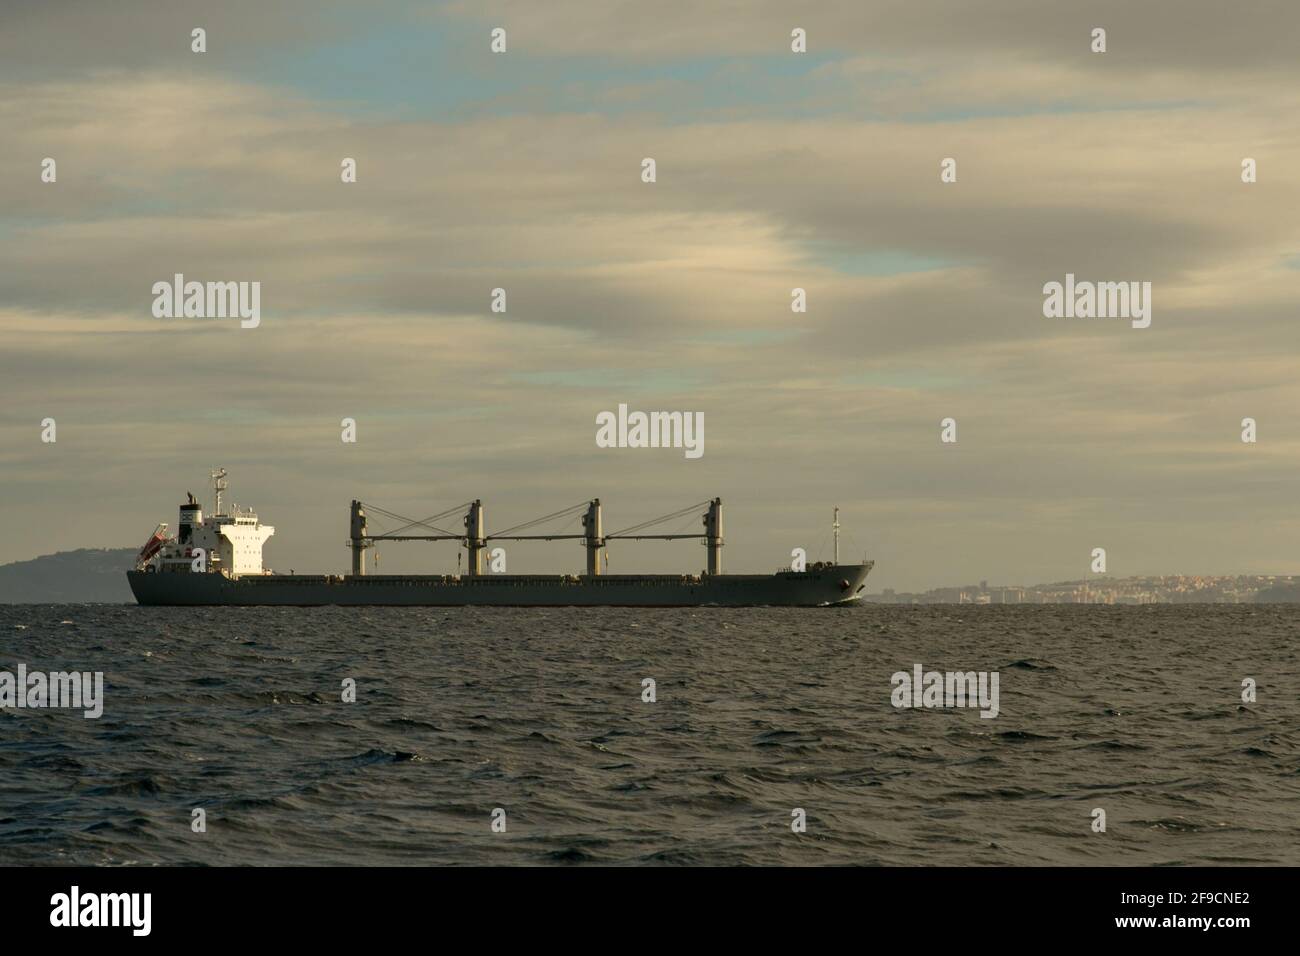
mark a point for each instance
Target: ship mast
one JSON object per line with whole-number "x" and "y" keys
{"x": 836, "y": 527}
{"x": 218, "y": 486}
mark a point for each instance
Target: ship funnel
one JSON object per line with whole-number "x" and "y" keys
{"x": 191, "y": 517}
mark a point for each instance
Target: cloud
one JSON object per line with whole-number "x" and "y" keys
{"x": 924, "y": 298}
{"x": 1200, "y": 36}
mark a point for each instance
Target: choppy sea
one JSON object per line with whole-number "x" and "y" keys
{"x": 536, "y": 720}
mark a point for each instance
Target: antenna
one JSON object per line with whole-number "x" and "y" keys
{"x": 218, "y": 486}
{"x": 836, "y": 527}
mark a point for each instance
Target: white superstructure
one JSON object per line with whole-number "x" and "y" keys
{"x": 228, "y": 543}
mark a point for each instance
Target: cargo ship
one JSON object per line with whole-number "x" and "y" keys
{"x": 216, "y": 559}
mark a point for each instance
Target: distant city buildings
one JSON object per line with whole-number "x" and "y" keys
{"x": 1165, "y": 589}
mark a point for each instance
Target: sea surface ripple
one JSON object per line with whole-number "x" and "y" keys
{"x": 238, "y": 711}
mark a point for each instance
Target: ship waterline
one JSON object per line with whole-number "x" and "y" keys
{"x": 819, "y": 586}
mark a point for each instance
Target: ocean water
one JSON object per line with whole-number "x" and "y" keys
{"x": 1136, "y": 710}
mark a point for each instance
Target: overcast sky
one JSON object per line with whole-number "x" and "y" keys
{"x": 775, "y": 170}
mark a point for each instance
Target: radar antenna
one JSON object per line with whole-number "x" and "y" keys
{"x": 836, "y": 527}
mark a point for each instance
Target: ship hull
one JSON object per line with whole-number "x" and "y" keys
{"x": 816, "y": 587}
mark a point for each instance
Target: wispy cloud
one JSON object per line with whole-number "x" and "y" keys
{"x": 774, "y": 172}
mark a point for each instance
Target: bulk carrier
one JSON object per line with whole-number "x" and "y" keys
{"x": 217, "y": 560}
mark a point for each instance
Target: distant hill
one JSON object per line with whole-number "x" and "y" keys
{"x": 1281, "y": 594}
{"x": 87, "y": 575}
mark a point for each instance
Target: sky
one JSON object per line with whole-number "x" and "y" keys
{"x": 775, "y": 170}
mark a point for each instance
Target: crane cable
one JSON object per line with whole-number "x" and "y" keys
{"x": 536, "y": 521}
{"x": 668, "y": 517}
{"x": 411, "y": 523}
